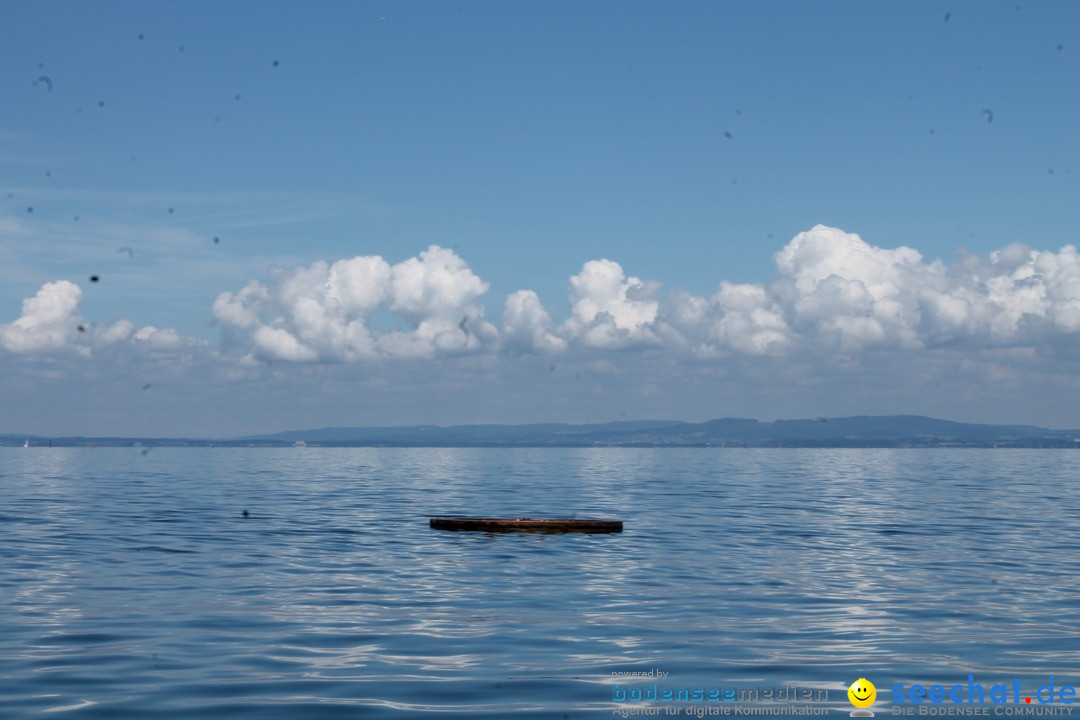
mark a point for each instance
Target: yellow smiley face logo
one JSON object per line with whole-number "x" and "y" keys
{"x": 862, "y": 693}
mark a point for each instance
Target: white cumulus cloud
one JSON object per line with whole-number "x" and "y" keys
{"x": 846, "y": 294}
{"x": 610, "y": 310}
{"x": 527, "y": 326}
{"x": 323, "y": 312}
{"x": 48, "y": 321}
{"x": 738, "y": 318}
{"x": 241, "y": 310}
{"x": 1018, "y": 294}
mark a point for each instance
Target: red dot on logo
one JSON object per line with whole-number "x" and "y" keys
{"x": 1028, "y": 700}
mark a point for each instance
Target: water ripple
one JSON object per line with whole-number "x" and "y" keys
{"x": 134, "y": 586}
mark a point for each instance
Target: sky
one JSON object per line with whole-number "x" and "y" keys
{"x": 219, "y": 219}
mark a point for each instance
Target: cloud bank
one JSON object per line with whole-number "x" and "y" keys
{"x": 843, "y": 327}
{"x": 50, "y": 323}
{"x": 833, "y": 293}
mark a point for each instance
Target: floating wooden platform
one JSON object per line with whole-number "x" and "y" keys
{"x": 549, "y": 525}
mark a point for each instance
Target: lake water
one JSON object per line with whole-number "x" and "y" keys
{"x": 132, "y": 586}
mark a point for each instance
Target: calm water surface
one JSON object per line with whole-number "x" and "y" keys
{"x": 131, "y": 586}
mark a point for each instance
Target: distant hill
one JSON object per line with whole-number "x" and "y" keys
{"x": 858, "y": 431}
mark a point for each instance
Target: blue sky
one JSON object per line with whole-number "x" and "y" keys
{"x": 531, "y": 211}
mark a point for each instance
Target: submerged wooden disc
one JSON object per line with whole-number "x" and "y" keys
{"x": 552, "y": 525}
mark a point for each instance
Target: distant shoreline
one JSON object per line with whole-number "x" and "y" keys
{"x": 888, "y": 431}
